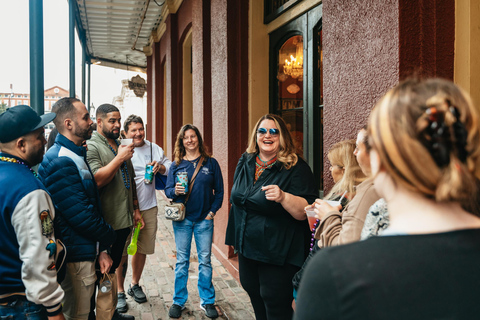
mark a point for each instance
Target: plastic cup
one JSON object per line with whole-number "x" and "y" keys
{"x": 332, "y": 203}
{"x": 125, "y": 142}
{"x": 309, "y": 210}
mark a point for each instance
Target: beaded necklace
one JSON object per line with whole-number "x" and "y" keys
{"x": 312, "y": 242}
{"x": 262, "y": 165}
{"x": 13, "y": 160}
{"x": 123, "y": 168}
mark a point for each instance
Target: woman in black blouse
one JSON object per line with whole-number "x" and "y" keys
{"x": 267, "y": 224}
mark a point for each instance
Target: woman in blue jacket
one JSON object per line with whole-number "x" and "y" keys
{"x": 205, "y": 200}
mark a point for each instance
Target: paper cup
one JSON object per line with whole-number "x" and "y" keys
{"x": 125, "y": 142}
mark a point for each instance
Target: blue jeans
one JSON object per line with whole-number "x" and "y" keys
{"x": 21, "y": 309}
{"x": 203, "y": 232}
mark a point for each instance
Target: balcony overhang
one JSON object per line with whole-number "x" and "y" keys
{"x": 115, "y": 33}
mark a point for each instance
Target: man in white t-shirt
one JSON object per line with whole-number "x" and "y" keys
{"x": 146, "y": 153}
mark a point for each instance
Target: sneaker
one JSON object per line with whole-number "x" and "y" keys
{"x": 137, "y": 293}
{"x": 122, "y": 306}
{"x": 175, "y": 311}
{"x": 119, "y": 316}
{"x": 210, "y": 310}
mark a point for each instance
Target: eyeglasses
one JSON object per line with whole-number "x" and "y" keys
{"x": 263, "y": 131}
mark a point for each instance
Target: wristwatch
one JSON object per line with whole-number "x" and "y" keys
{"x": 211, "y": 214}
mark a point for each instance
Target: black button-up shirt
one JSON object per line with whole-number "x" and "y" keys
{"x": 261, "y": 229}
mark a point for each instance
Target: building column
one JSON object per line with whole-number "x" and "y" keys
{"x": 150, "y": 120}
{"x": 229, "y": 69}
{"x": 173, "y": 98}
{"x": 159, "y": 105}
{"x": 37, "y": 94}
{"x": 201, "y": 66}
{"x": 368, "y": 47}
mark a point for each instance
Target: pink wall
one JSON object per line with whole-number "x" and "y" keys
{"x": 360, "y": 43}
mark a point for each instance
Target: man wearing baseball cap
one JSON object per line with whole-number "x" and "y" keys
{"x": 28, "y": 276}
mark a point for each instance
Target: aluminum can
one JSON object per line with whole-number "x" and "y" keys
{"x": 182, "y": 177}
{"x": 148, "y": 174}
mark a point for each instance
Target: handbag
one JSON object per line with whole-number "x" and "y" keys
{"x": 175, "y": 211}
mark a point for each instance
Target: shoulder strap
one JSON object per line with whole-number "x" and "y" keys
{"x": 192, "y": 181}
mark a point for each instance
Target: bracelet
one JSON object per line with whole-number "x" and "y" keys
{"x": 211, "y": 215}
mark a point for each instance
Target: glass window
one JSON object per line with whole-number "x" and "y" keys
{"x": 290, "y": 88}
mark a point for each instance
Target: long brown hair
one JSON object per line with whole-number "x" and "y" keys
{"x": 179, "y": 151}
{"x": 286, "y": 153}
{"x": 402, "y": 132}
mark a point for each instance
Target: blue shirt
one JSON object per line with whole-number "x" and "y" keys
{"x": 207, "y": 192}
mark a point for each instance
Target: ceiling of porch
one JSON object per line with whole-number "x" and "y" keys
{"x": 115, "y": 31}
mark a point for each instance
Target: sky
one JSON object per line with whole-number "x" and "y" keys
{"x": 15, "y": 60}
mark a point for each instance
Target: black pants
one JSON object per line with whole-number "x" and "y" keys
{"x": 269, "y": 287}
{"x": 116, "y": 255}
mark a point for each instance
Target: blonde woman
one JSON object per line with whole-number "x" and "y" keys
{"x": 425, "y": 143}
{"x": 346, "y": 174}
{"x": 267, "y": 224}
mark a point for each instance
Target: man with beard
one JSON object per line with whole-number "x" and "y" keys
{"x": 69, "y": 180}
{"x": 114, "y": 174}
{"x": 28, "y": 277}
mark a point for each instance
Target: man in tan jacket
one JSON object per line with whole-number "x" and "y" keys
{"x": 340, "y": 228}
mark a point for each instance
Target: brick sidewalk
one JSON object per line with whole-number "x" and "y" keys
{"x": 158, "y": 280}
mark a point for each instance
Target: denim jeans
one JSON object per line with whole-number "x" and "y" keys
{"x": 21, "y": 309}
{"x": 203, "y": 232}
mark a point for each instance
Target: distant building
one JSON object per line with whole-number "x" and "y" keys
{"x": 51, "y": 96}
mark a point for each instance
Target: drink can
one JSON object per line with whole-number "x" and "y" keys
{"x": 148, "y": 174}
{"x": 182, "y": 177}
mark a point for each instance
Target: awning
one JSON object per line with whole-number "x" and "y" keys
{"x": 114, "y": 32}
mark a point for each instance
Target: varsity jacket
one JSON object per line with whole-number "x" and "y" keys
{"x": 67, "y": 176}
{"x": 27, "y": 242}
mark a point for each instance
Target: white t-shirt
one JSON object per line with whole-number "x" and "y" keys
{"x": 146, "y": 192}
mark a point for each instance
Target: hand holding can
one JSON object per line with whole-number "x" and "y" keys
{"x": 182, "y": 178}
{"x": 148, "y": 174}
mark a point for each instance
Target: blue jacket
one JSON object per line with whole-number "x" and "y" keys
{"x": 207, "y": 191}
{"x": 67, "y": 176}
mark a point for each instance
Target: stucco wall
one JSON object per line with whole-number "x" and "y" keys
{"x": 360, "y": 42}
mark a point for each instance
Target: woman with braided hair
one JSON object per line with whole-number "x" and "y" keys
{"x": 425, "y": 143}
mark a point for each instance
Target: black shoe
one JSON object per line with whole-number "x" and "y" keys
{"x": 122, "y": 306}
{"x": 175, "y": 311}
{"x": 137, "y": 293}
{"x": 119, "y": 316}
{"x": 210, "y": 310}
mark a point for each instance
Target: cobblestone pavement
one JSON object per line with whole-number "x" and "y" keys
{"x": 158, "y": 279}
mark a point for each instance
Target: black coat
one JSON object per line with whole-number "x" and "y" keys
{"x": 261, "y": 229}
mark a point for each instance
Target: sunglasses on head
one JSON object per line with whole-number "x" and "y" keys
{"x": 263, "y": 131}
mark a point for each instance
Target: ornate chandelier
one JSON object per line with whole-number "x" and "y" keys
{"x": 294, "y": 66}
